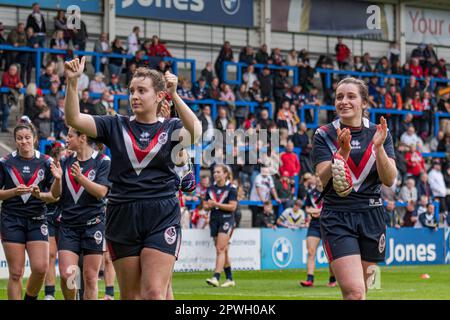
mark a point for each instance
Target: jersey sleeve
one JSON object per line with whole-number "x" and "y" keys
{"x": 320, "y": 150}
{"x": 308, "y": 202}
{"x": 104, "y": 125}
{"x": 49, "y": 178}
{"x": 2, "y": 174}
{"x": 176, "y": 125}
{"x": 232, "y": 196}
{"x": 103, "y": 172}
{"x": 389, "y": 146}
{"x": 258, "y": 181}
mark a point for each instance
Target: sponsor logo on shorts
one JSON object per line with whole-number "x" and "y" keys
{"x": 226, "y": 226}
{"x": 44, "y": 229}
{"x": 375, "y": 202}
{"x": 98, "y": 237}
{"x": 170, "y": 235}
{"x": 162, "y": 139}
{"x": 382, "y": 243}
{"x": 41, "y": 173}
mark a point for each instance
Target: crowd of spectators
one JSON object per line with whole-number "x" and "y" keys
{"x": 272, "y": 176}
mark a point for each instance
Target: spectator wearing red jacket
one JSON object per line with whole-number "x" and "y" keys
{"x": 11, "y": 80}
{"x": 157, "y": 49}
{"x": 416, "y": 68}
{"x": 415, "y": 164}
{"x": 289, "y": 161}
{"x": 342, "y": 54}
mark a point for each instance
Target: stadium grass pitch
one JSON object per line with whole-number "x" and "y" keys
{"x": 399, "y": 282}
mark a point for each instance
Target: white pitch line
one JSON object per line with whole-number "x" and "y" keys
{"x": 6, "y": 147}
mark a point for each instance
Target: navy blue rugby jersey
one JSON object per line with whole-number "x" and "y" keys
{"x": 366, "y": 191}
{"x": 222, "y": 195}
{"x": 14, "y": 171}
{"x": 310, "y": 201}
{"x": 141, "y": 166}
{"x": 78, "y": 206}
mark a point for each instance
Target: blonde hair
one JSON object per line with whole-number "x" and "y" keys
{"x": 227, "y": 170}
{"x": 31, "y": 89}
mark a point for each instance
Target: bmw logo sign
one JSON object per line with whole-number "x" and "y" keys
{"x": 230, "y": 6}
{"x": 282, "y": 252}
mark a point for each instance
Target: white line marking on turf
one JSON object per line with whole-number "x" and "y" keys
{"x": 7, "y": 148}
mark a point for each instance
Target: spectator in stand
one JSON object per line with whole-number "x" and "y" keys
{"x": 276, "y": 56}
{"x": 83, "y": 81}
{"x": 202, "y": 188}
{"x": 284, "y": 186}
{"x": 357, "y": 64}
{"x": 214, "y": 90}
{"x": 406, "y": 122}
{"x": 437, "y": 184}
{"x": 207, "y": 73}
{"x": 415, "y": 164}
{"x": 428, "y": 219}
{"x": 442, "y": 69}
{"x": 36, "y": 21}
{"x": 97, "y": 85}
{"x": 343, "y": 54}
{"x": 36, "y": 109}
{"x": 225, "y": 54}
{"x": 408, "y": 192}
{"x": 222, "y": 120}
{"x": 249, "y": 76}
{"x": 430, "y": 56}
{"x": 296, "y": 96}
{"x": 280, "y": 87}
{"x": 292, "y": 58}
{"x": 382, "y": 66}
{"x": 393, "y": 101}
{"x": 367, "y": 63}
{"x": 79, "y": 35}
{"x": 294, "y": 218}
{"x": 184, "y": 90}
{"x": 262, "y": 190}
{"x": 436, "y": 141}
{"x": 27, "y": 60}
{"x": 406, "y": 70}
{"x": 289, "y": 161}
{"x": 11, "y": 80}
{"x": 163, "y": 66}
{"x": 85, "y": 104}
{"x": 374, "y": 89}
{"x": 396, "y": 68}
{"x": 101, "y": 45}
{"x": 266, "y": 84}
{"x": 207, "y": 124}
{"x": 133, "y": 41}
{"x": 401, "y": 161}
{"x": 305, "y": 74}
{"x": 60, "y": 23}
{"x": 262, "y": 55}
{"x": 443, "y": 105}
{"x": 51, "y": 99}
{"x": 423, "y": 186}
{"x": 45, "y": 81}
{"x": 43, "y": 124}
{"x": 200, "y": 89}
{"x": 264, "y": 120}
{"x": 115, "y": 87}
{"x": 58, "y": 43}
{"x": 301, "y": 140}
{"x": 393, "y": 53}
{"x": 285, "y": 118}
{"x": 58, "y": 120}
{"x": 391, "y": 215}
{"x": 105, "y": 106}
{"x": 158, "y": 49}
{"x": 409, "y": 215}
{"x": 416, "y": 68}
{"x": 17, "y": 38}
{"x": 255, "y": 93}
{"x": 2, "y": 42}
{"x": 419, "y": 53}
{"x": 410, "y": 137}
{"x": 29, "y": 108}
{"x": 267, "y": 218}
{"x": 138, "y": 60}
{"x": 247, "y": 55}
{"x": 115, "y": 64}
{"x": 241, "y": 111}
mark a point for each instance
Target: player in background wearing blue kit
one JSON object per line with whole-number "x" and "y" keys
{"x": 221, "y": 199}
{"x": 81, "y": 183}
{"x": 358, "y": 157}
{"x": 23, "y": 174}
{"x": 313, "y": 235}
{"x": 143, "y": 213}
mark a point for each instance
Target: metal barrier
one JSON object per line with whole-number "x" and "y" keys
{"x": 98, "y": 56}
{"x": 240, "y": 65}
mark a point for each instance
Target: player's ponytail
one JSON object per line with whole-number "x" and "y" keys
{"x": 363, "y": 92}
{"x": 227, "y": 170}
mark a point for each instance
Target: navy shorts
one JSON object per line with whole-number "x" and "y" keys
{"x": 86, "y": 240}
{"x": 133, "y": 226}
{"x": 221, "y": 223}
{"x": 314, "y": 229}
{"x": 349, "y": 233}
{"x": 53, "y": 223}
{"x": 23, "y": 229}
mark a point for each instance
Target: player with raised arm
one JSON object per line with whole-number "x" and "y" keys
{"x": 143, "y": 213}
{"x": 358, "y": 157}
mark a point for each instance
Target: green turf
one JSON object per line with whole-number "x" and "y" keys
{"x": 396, "y": 283}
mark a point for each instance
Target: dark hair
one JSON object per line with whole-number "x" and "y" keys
{"x": 363, "y": 90}
{"x": 91, "y": 141}
{"x": 26, "y": 126}
{"x": 158, "y": 81}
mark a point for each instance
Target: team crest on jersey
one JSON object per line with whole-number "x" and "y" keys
{"x": 162, "y": 139}
{"x": 382, "y": 243}
{"x": 44, "y": 230}
{"x": 91, "y": 175}
{"x": 170, "y": 235}
{"x": 98, "y": 237}
{"x": 26, "y": 169}
{"x": 226, "y": 226}
{"x": 41, "y": 173}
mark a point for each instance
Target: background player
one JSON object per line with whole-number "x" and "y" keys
{"x": 81, "y": 182}
{"x": 353, "y": 226}
{"x": 313, "y": 235}
{"x": 143, "y": 213}
{"x": 23, "y": 174}
{"x": 221, "y": 199}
